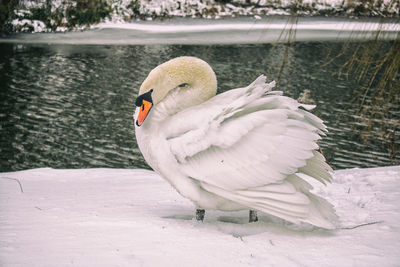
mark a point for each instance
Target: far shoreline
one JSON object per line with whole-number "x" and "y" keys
{"x": 240, "y": 30}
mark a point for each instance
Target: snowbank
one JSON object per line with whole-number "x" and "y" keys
{"x": 191, "y": 26}
{"x": 227, "y": 31}
{"x": 114, "y": 217}
{"x": 61, "y": 16}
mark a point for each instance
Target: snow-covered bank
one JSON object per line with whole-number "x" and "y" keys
{"x": 60, "y": 16}
{"x": 227, "y": 31}
{"x": 114, "y": 217}
{"x": 246, "y": 24}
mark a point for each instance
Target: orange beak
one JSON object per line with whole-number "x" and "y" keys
{"x": 144, "y": 111}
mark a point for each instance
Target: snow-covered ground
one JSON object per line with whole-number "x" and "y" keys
{"x": 227, "y": 31}
{"x": 115, "y": 217}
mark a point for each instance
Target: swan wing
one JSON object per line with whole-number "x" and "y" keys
{"x": 252, "y": 145}
{"x": 247, "y": 138}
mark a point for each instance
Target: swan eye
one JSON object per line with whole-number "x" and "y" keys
{"x": 183, "y": 85}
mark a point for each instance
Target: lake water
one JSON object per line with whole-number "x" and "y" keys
{"x": 70, "y": 106}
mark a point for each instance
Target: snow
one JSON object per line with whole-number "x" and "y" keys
{"x": 227, "y": 31}
{"x": 227, "y": 25}
{"x": 25, "y": 24}
{"x": 254, "y": 7}
{"x": 116, "y": 217}
{"x": 128, "y": 10}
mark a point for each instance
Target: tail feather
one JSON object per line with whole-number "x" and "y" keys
{"x": 321, "y": 212}
{"x": 296, "y": 206}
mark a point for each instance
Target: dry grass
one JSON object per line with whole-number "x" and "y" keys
{"x": 373, "y": 64}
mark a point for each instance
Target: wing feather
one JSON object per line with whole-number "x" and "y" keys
{"x": 249, "y": 149}
{"x": 258, "y": 137}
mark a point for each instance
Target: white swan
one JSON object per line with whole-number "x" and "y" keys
{"x": 242, "y": 149}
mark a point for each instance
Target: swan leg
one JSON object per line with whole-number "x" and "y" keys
{"x": 253, "y": 216}
{"x": 200, "y": 214}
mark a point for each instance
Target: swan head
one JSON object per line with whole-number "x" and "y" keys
{"x": 183, "y": 81}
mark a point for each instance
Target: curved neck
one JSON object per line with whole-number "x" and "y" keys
{"x": 177, "y": 100}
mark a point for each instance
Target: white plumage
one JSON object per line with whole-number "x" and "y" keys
{"x": 242, "y": 149}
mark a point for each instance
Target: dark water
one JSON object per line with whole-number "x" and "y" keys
{"x": 66, "y": 106}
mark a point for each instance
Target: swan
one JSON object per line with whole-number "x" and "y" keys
{"x": 246, "y": 148}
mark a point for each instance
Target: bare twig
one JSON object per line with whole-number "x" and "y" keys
{"x": 360, "y": 225}
{"x": 15, "y": 179}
